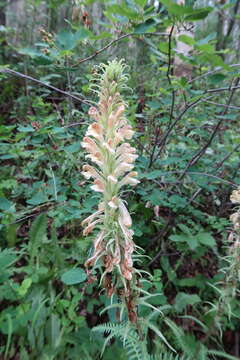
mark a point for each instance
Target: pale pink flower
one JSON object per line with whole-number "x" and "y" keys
{"x": 125, "y": 132}
{"x": 113, "y": 203}
{"x": 128, "y": 233}
{"x": 92, "y": 217}
{"x": 93, "y": 112}
{"x": 98, "y": 186}
{"x": 129, "y": 179}
{"x": 89, "y": 145}
{"x": 97, "y": 158}
{"x": 89, "y": 171}
{"x": 122, "y": 168}
{"x": 90, "y": 227}
{"x": 98, "y": 241}
{"x": 95, "y": 130}
{"x": 124, "y": 214}
{"x": 112, "y": 179}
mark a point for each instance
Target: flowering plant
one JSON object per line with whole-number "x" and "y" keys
{"x": 112, "y": 162}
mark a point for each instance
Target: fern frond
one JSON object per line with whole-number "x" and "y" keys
{"x": 135, "y": 348}
{"x": 183, "y": 341}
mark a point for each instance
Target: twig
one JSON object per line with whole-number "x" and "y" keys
{"x": 223, "y": 89}
{"x": 114, "y": 42}
{"x": 171, "y": 127}
{"x": 210, "y": 73}
{"x": 213, "y": 176}
{"x": 16, "y": 73}
{"x": 170, "y": 54}
{"x": 73, "y": 124}
{"x": 202, "y": 150}
{"x": 223, "y": 105}
{"x": 173, "y": 95}
{"x": 219, "y": 165}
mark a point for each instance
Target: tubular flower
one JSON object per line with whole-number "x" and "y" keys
{"x": 112, "y": 160}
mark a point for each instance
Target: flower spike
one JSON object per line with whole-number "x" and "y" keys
{"x": 112, "y": 161}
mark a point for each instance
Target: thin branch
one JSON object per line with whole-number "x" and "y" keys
{"x": 223, "y": 105}
{"x": 213, "y": 176}
{"x": 170, "y": 54}
{"x": 210, "y": 73}
{"x": 173, "y": 95}
{"x": 74, "y": 124}
{"x": 171, "y": 127}
{"x": 202, "y": 150}
{"x": 16, "y": 73}
{"x": 114, "y": 42}
{"x": 219, "y": 165}
{"x": 223, "y": 89}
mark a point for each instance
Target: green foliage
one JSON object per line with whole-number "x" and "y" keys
{"x": 187, "y": 138}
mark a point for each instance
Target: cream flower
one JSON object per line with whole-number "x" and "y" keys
{"x": 235, "y": 197}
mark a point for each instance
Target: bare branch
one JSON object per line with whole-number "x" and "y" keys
{"x": 16, "y": 73}
{"x": 210, "y": 73}
{"x": 114, "y": 42}
{"x": 223, "y": 105}
{"x": 223, "y": 89}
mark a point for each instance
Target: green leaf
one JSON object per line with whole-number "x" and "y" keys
{"x": 25, "y": 285}
{"x": 144, "y": 27}
{"x": 37, "y": 234}
{"x": 5, "y": 204}
{"x": 217, "y": 78}
{"x": 191, "y": 241}
{"x": 123, "y": 11}
{"x": 199, "y": 14}
{"x": 38, "y": 198}
{"x": 141, "y": 3}
{"x": 82, "y": 33}
{"x": 7, "y": 257}
{"x": 36, "y": 55}
{"x": 196, "y": 281}
{"x": 182, "y": 300}
{"x": 74, "y": 276}
{"x": 208, "y": 38}
{"x": 153, "y": 174}
{"x": 186, "y": 39}
{"x": 73, "y": 147}
{"x": 28, "y": 128}
{"x": 206, "y": 239}
{"x": 67, "y": 40}
{"x": 222, "y": 354}
{"x": 188, "y": 12}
